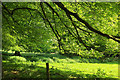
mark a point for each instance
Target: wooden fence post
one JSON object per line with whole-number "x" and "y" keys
{"x": 1, "y": 70}
{"x": 47, "y": 71}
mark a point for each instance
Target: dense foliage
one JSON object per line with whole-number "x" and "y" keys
{"x": 80, "y": 28}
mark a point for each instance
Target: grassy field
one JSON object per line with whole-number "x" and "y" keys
{"x": 34, "y": 66}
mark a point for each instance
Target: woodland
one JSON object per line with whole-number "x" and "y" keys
{"x": 60, "y": 32}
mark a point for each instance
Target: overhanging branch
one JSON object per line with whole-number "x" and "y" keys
{"x": 86, "y": 23}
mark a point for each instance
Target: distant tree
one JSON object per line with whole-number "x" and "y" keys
{"x": 17, "y": 53}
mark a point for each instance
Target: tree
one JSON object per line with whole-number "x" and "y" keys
{"x": 17, "y": 53}
{"x": 74, "y": 26}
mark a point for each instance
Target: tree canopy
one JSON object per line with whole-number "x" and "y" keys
{"x": 66, "y": 26}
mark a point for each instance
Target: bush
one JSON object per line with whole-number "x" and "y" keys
{"x": 100, "y": 73}
{"x": 16, "y": 59}
{"x": 94, "y": 60}
{"x": 5, "y": 57}
{"x": 34, "y": 59}
{"x": 62, "y": 61}
{"x": 110, "y": 59}
{"x": 59, "y": 60}
{"x": 85, "y": 60}
{"x": 70, "y": 60}
{"x": 45, "y": 59}
{"x": 49, "y": 60}
{"x": 90, "y": 54}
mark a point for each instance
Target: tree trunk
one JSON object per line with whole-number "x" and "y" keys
{"x": 17, "y": 53}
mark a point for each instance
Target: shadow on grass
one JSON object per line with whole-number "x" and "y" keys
{"x": 15, "y": 70}
{"x": 20, "y": 71}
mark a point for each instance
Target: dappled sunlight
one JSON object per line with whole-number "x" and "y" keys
{"x": 35, "y": 67}
{"x": 60, "y": 40}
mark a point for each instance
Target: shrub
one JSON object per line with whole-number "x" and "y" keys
{"x": 45, "y": 59}
{"x": 33, "y": 59}
{"x": 100, "y": 73}
{"x": 70, "y": 60}
{"x": 16, "y": 59}
{"x": 59, "y": 60}
{"x": 94, "y": 60}
{"x": 49, "y": 60}
{"x": 85, "y": 60}
{"x": 4, "y": 57}
{"x": 55, "y": 59}
{"x": 62, "y": 61}
{"x": 110, "y": 59}
{"x": 90, "y": 54}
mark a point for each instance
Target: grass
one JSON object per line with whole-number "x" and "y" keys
{"x": 60, "y": 67}
{"x": 90, "y": 68}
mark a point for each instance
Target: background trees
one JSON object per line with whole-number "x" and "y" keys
{"x": 70, "y": 28}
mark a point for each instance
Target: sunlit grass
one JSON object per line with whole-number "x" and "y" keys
{"x": 111, "y": 70}
{"x": 69, "y": 70}
{"x": 60, "y": 67}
